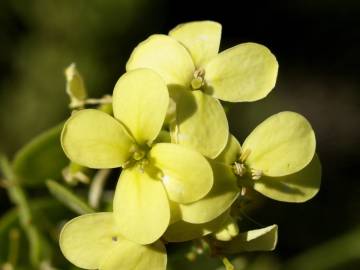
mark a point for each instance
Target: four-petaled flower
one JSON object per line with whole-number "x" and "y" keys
{"x": 153, "y": 173}
{"x": 188, "y": 59}
{"x": 277, "y": 159}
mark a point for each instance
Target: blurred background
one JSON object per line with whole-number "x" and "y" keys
{"x": 317, "y": 46}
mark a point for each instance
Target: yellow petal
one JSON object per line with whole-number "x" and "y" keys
{"x": 131, "y": 256}
{"x": 182, "y": 231}
{"x": 186, "y": 174}
{"x": 141, "y": 206}
{"x": 223, "y": 193}
{"x": 231, "y": 152}
{"x": 246, "y": 72}
{"x": 87, "y": 239}
{"x": 200, "y": 123}
{"x": 96, "y": 140}
{"x": 201, "y": 38}
{"x": 298, "y": 187}
{"x": 263, "y": 239}
{"x": 175, "y": 213}
{"x": 281, "y": 145}
{"x": 166, "y": 56}
{"x": 140, "y": 102}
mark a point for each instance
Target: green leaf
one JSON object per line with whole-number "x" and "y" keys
{"x": 186, "y": 174}
{"x": 200, "y": 122}
{"x": 96, "y": 140}
{"x": 264, "y": 239}
{"x": 166, "y": 56}
{"x": 140, "y": 102}
{"x": 281, "y": 145}
{"x": 297, "y": 187}
{"x": 141, "y": 205}
{"x": 246, "y": 72}
{"x": 68, "y": 198}
{"x": 40, "y": 159}
{"x": 201, "y": 38}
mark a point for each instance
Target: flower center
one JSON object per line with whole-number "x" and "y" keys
{"x": 240, "y": 169}
{"x": 198, "y": 81}
{"x": 139, "y": 154}
{"x": 138, "y": 157}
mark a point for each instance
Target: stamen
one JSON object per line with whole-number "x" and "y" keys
{"x": 243, "y": 191}
{"x": 199, "y": 73}
{"x": 239, "y": 169}
{"x": 256, "y": 174}
{"x": 114, "y": 238}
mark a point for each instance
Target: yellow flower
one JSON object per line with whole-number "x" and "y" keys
{"x": 277, "y": 159}
{"x": 153, "y": 173}
{"x": 188, "y": 59}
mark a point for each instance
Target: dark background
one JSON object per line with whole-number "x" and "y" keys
{"x": 317, "y": 46}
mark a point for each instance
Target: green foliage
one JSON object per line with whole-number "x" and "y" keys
{"x": 28, "y": 164}
{"x": 68, "y": 198}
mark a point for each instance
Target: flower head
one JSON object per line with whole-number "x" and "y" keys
{"x": 188, "y": 59}
{"x": 277, "y": 159}
{"x": 153, "y": 173}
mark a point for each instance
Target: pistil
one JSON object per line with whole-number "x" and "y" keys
{"x": 198, "y": 80}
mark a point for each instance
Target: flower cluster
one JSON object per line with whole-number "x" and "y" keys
{"x": 183, "y": 174}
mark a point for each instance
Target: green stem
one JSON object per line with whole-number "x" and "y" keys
{"x": 97, "y": 187}
{"x": 18, "y": 197}
{"x": 14, "y": 237}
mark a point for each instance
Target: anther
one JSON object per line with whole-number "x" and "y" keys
{"x": 256, "y": 174}
{"x": 199, "y": 73}
{"x": 243, "y": 191}
{"x": 239, "y": 169}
